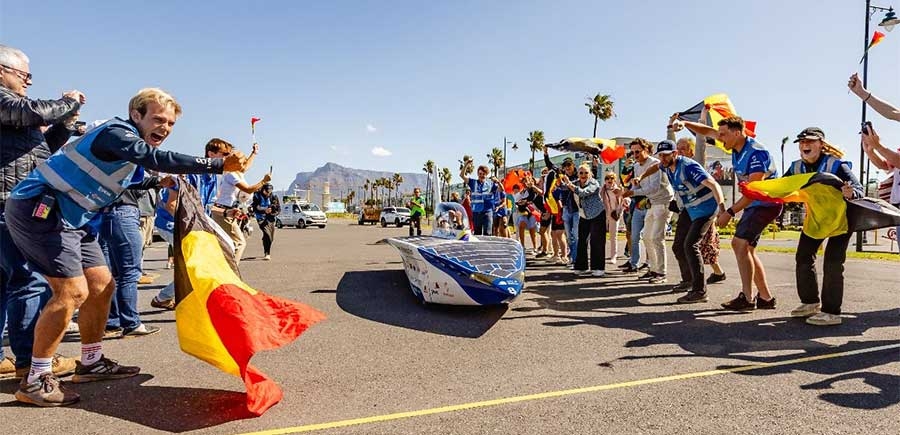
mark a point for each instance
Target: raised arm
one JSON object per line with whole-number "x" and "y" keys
{"x": 883, "y": 108}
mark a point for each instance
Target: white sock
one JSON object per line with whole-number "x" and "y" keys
{"x": 39, "y": 366}
{"x": 91, "y": 353}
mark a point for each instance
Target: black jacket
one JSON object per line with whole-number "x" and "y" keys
{"x": 22, "y": 144}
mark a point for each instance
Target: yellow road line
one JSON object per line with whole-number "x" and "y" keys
{"x": 560, "y": 393}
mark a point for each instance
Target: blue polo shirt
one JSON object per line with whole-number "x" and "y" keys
{"x": 753, "y": 158}
{"x": 687, "y": 181}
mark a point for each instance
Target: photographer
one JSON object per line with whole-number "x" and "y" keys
{"x": 266, "y": 207}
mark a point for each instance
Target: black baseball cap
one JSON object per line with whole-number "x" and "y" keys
{"x": 568, "y": 161}
{"x": 665, "y": 147}
{"x": 811, "y": 133}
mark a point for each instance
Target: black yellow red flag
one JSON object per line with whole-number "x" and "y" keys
{"x": 220, "y": 319}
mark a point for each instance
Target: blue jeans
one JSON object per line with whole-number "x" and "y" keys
{"x": 168, "y": 292}
{"x": 121, "y": 241}
{"x": 23, "y": 293}
{"x": 570, "y": 222}
{"x": 637, "y": 226}
{"x": 483, "y": 222}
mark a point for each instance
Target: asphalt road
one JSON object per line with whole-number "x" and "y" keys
{"x": 379, "y": 353}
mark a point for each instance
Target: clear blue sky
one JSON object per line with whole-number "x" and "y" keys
{"x": 333, "y": 80}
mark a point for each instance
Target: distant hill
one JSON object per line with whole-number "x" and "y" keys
{"x": 341, "y": 180}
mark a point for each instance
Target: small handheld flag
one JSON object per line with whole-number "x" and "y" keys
{"x": 877, "y": 37}
{"x": 253, "y": 122}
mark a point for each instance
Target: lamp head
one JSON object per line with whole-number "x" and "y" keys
{"x": 890, "y": 20}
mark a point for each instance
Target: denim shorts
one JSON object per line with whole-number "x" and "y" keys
{"x": 50, "y": 248}
{"x": 754, "y": 221}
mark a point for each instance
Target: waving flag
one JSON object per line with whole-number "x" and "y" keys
{"x": 514, "y": 177}
{"x": 877, "y": 37}
{"x": 219, "y": 318}
{"x": 827, "y": 213}
{"x": 718, "y": 107}
{"x": 607, "y": 149}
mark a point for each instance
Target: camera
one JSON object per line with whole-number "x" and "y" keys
{"x": 866, "y": 126}
{"x": 78, "y": 128}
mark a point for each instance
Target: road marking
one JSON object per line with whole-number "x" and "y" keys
{"x": 560, "y": 393}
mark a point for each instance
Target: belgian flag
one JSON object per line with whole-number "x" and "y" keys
{"x": 220, "y": 319}
{"x": 827, "y": 212}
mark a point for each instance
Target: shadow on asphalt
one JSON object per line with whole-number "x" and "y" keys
{"x": 384, "y": 296}
{"x": 170, "y": 409}
{"x": 695, "y": 329}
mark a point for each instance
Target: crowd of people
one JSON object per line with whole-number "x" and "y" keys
{"x": 75, "y": 216}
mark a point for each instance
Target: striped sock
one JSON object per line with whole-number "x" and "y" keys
{"x": 91, "y": 353}
{"x": 39, "y": 366}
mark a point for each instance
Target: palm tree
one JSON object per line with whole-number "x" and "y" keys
{"x": 349, "y": 199}
{"x": 429, "y": 169}
{"x": 465, "y": 165}
{"x": 536, "y": 141}
{"x": 495, "y": 159}
{"x": 601, "y": 108}
{"x": 446, "y": 177}
{"x": 398, "y": 180}
{"x": 389, "y": 185}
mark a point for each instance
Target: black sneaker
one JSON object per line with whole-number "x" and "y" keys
{"x": 693, "y": 298}
{"x": 740, "y": 303}
{"x": 682, "y": 287}
{"x": 648, "y": 275}
{"x": 658, "y": 278}
{"x": 643, "y": 266}
{"x": 626, "y": 265}
{"x": 102, "y": 370}
{"x": 540, "y": 254}
{"x": 629, "y": 269}
{"x": 714, "y": 278}
{"x": 765, "y": 305}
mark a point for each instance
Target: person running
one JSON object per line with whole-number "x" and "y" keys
{"x": 751, "y": 161}
{"x": 226, "y": 211}
{"x": 266, "y": 207}
{"x": 416, "y": 206}
{"x": 815, "y": 158}
{"x": 47, "y": 214}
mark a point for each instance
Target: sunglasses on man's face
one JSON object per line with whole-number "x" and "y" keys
{"x": 26, "y": 76}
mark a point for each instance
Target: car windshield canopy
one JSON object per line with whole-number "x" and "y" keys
{"x": 309, "y": 207}
{"x": 450, "y": 221}
{"x": 402, "y": 210}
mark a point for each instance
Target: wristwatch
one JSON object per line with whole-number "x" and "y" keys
{"x": 730, "y": 211}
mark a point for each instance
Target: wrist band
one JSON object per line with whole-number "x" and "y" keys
{"x": 730, "y": 211}
{"x": 867, "y": 97}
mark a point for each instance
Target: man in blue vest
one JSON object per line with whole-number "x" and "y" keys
{"x": 702, "y": 199}
{"x": 48, "y": 212}
{"x": 751, "y": 162}
{"x": 813, "y": 158}
{"x": 484, "y": 192}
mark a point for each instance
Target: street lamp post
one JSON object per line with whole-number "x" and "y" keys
{"x": 889, "y": 21}
{"x": 505, "y": 143}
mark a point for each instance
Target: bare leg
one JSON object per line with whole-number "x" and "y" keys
{"x": 746, "y": 266}
{"x": 716, "y": 268}
{"x": 522, "y": 234}
{"x": 68, "y": 294}
{"x": 93, "y": 314}
{"x": 759, "y": 276}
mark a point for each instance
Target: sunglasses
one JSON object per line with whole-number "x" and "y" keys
{"x": 22, "y": 74}
{"x": 582, "y": 173}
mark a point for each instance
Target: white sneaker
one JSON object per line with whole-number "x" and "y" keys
{"x": 805, "y": 310}
{"x": 598, "y": 273}
{"x": 582, "y": 273}
{"x": 824, "y": 319}
{"x": 267, "y": 257}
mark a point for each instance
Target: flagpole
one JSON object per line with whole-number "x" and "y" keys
{"x": 863, "y": 164}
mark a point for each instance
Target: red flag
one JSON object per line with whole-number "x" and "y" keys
{"x": 253, "y": 121}
{"x": 877, "y": 37}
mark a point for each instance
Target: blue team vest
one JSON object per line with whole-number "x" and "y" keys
{"x": 698, "y": 200}
{"x": 81, "y": 182}
{"x": 482, "y": 199}
{"x": 829, "y": 164}
{"x": 741, "y": 164}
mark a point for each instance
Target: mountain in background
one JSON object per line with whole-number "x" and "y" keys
{"x": 342, "y": 180}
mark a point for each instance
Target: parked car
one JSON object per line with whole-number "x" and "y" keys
{"x": 398, "y": 216}
{"x": 369, "y": 214}
{"x": 301, "y": 215}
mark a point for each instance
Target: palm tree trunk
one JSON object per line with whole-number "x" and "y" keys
{"x": 596, "y": 118}
{"x": 532, "y": 161}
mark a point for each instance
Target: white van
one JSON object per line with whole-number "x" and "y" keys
{"x": 301, "y": 215}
